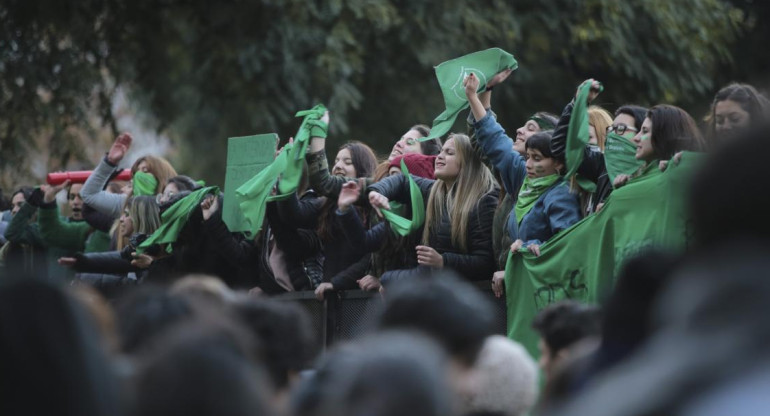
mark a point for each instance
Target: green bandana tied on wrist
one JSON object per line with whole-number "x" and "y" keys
{"x": 253, "y": 195}
{"x": 400, "y": 225}
{"x": 175, "y": 217}
{"x": 620, "y": 156}
{"x": 144, "y": 184}
{"x": 531, "y": 191}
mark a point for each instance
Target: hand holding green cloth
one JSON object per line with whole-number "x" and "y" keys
{"x": 578, "y": 136}
{"x": 400, "y": 225}
{"x": 581, "y": 262}
{"x": 175, "y": 217}
{"x": 620, "y": 156}
{"x": 530, "y": 192}
{"x": 255, "y": 193}
{"x": 144, "y": 184}
{"x": 484, "y": 64}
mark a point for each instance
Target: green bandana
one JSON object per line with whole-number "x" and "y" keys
{"x": 531, "y": 190}
{"x": 577, "y": 136}
{"x": 399, "y": 224}
{"x": 253, "y": 195}
{"x": 175, "y": 217}
{"x": 620, "y": 156}
{"x": 144, "y": 184}
{"x": 543, "y": 123}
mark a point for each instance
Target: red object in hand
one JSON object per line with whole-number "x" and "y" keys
{"x": 80, "y": 176}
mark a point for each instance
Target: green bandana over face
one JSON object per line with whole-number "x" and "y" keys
{"x": 531, "y": 191}
{"x": 404, "y": 226}
{"x": 144, "y": 184}
{"x": 620, "y": 156}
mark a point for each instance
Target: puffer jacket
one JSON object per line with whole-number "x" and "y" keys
{"x": 478, "y": 262}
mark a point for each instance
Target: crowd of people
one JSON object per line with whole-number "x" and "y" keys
{"x": 104, "y": 327}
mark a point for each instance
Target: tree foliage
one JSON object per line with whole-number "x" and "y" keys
{"x": 204, "y": 71}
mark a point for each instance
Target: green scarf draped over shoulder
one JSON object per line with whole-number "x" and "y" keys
{"x": 531, "y": 191}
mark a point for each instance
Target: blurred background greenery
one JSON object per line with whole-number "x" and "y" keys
{"x": 195, "y": 72}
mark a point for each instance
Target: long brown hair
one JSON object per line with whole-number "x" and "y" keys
{"x": 365, "y": 163}
{"x": 473, "y": 182}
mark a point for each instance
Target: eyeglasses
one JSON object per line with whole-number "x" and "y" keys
{"x": 620, "y": 128}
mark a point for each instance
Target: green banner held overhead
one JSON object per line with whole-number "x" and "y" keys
{"x": 246, "y": 157}
{"x": 484, "y": 64}
{"x": 582, "y": 262}
{"x": 401, "y": 225}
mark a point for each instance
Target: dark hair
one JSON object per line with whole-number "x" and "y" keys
{"x": 746, "y": 96}
{"x": 200, "y": 368}
{"x": 51, "y": 357}
{"x": 386, "y": 374}
{"x": 284, "y": 328}
{"x": 145, "y": 313}
{"x": 635, "y": 111}
{"x": 184, "y": 183}
{"x": 563, "y": 323}
{"x": 448, "y": 309}
{"x": 24, "y": 190}
{"x": 741, "y": 214}
{"x": 542, "y": 141}
{"x": 428, "y": 147}
{"x": 673, "y": 130}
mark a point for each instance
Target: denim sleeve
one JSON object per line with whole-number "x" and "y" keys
{"x": 498, "y": 147}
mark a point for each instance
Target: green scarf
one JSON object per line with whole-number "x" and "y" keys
{"x": 175, "y": 217}
{"x": 144, "y": 184}
{"x": 399, "y": 224}
{"x": 620, "y": 156}
{"x": 531, "y": 191}
{"x": 253, "y": 195}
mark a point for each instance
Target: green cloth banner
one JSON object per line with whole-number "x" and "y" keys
{"x": 578, "y": 136}
{"x": 484, "y": 64}
{"x": 246, "y": 157}
{"x": 399, "y": 224}
{"x": 620, "y": 156}
{"x": 581, "y": 262}
{"x": 255, "y": 193}
{"x": 175, "y": 217}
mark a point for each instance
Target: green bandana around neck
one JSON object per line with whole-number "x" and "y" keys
{"x": 531, "y": 191}
{"x": 404, "y": 226}
{"x": 620, "y": 156}
{"x": 144, "y": 184}
{"x": 543, "y": 123}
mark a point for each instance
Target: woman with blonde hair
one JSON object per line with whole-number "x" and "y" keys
{"x": 599, "y": 120}
{"x": 149, "y": 177}
{"x": 458, "y": 221}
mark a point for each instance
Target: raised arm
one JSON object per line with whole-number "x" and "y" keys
{"x": 55, "y": 232}
{"x": 93, "y": 192}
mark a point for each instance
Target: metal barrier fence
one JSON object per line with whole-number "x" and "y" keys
{"x": 349, "y": 314}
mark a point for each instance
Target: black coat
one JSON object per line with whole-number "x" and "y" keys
{"x": 478, "y": 262}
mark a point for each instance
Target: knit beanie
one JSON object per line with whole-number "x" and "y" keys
{"x": 418, "y": 164}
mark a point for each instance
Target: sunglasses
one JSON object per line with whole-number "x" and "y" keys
{"x": 620, "y": 129}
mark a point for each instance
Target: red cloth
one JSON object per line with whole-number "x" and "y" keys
{"x": 423, "y": 166}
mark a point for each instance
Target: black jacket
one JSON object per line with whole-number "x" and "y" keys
{"x": 478, "y": 262}
{"x": 592, "y": 167}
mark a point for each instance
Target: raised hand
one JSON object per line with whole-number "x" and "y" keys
{"x": 499, "y": 77}
{"x": 471, "y": 84}
{"x": 119, "y": 148}
{"x": 596, "y": 88}
{"x": 348, "y": 195}
{"x": 377, "y": 201}
{"x": 50, "y": 191}
{"x": 209, "y": 206}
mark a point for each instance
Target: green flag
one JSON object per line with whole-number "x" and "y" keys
{"x": 175, "y": 217}
{"x": 581, "y": 262}
{"x": 578, "y": 136}
{"x": 620, "y": 156}
{"x": 404, "y": 226}
{"x": 246, "y": 156}
{"x": 484, "y": 64}
{"x": 255, "y": 193}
